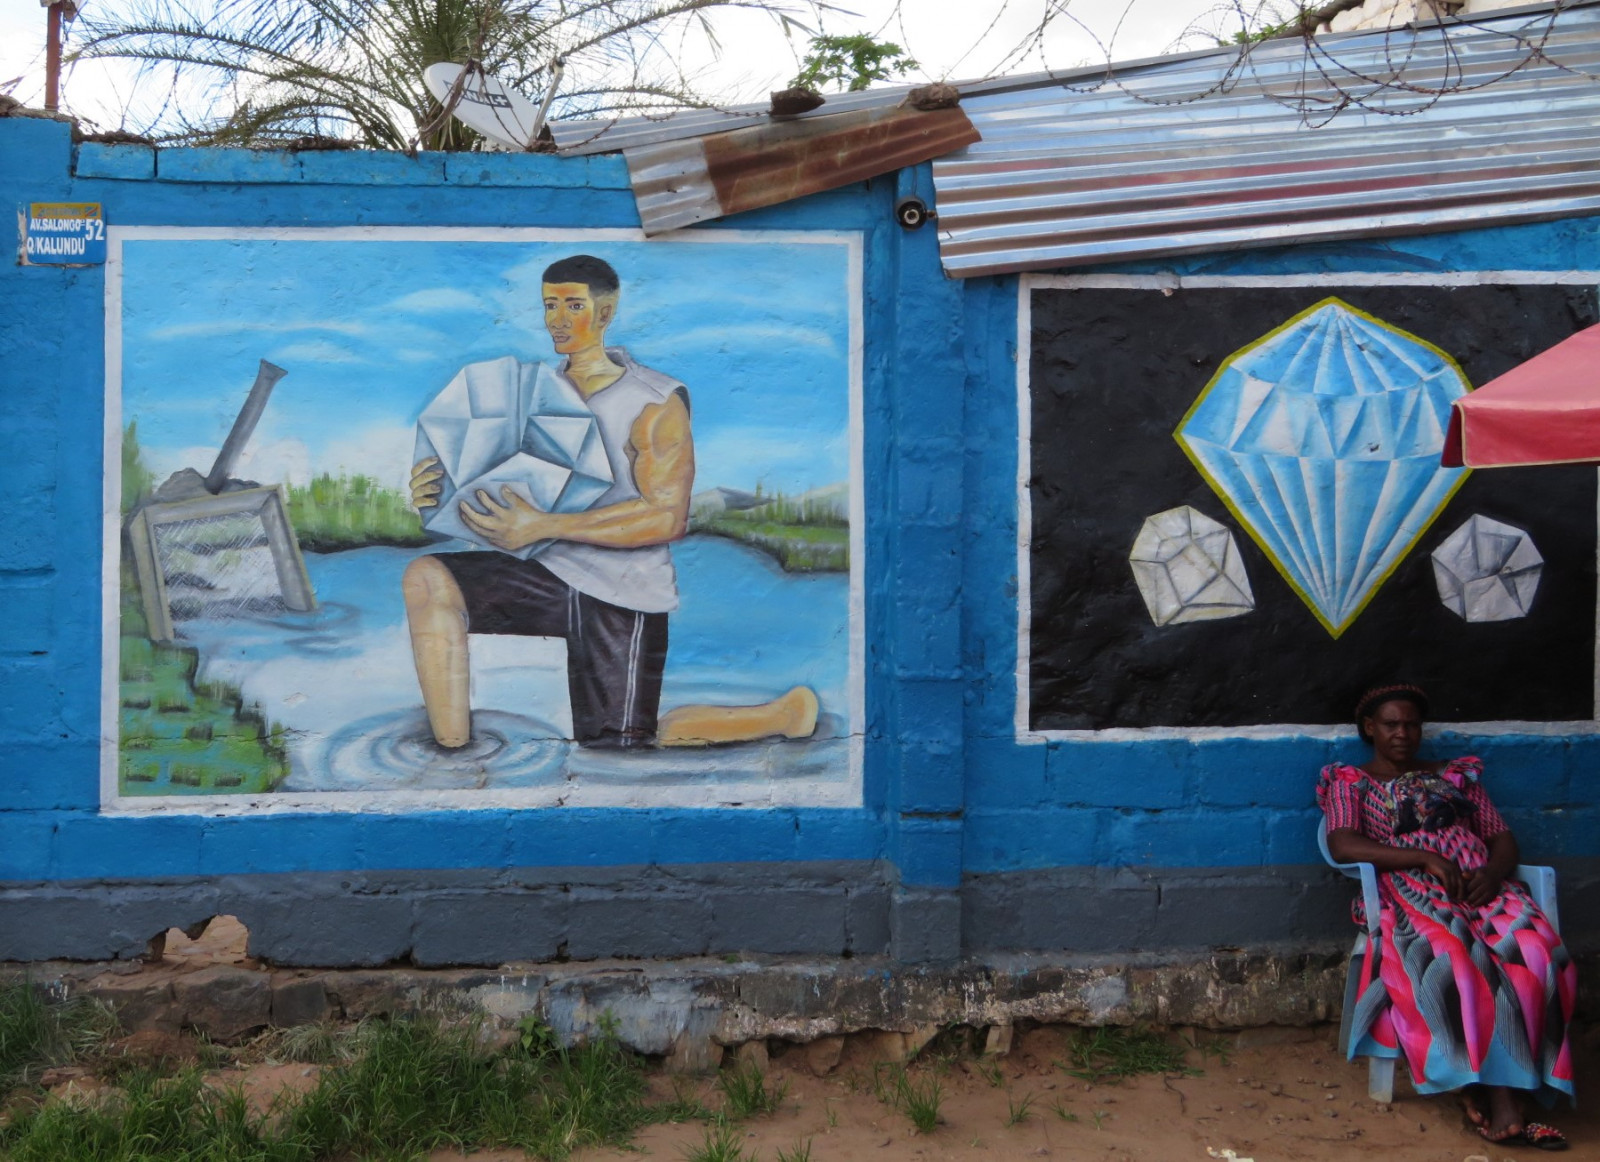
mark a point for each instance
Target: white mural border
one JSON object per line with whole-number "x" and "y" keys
{"x": 1169, "y": 283}
{"x": 754, "y": 794}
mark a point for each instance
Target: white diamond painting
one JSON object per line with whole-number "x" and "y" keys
{"x": 1187, "y": 568}
{"x": 504, "y": 423}
{"x": 1323, "y": 438}
{"x": 1487, "y": 571}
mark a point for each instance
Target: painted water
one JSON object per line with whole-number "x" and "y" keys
{"x": 341, "y": 683}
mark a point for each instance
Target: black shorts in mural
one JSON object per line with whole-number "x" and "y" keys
{"x": 1114, "y": 373}
{"x": 615, "y": 656}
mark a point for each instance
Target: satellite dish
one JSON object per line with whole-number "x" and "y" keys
{"x": 502, "y": 115}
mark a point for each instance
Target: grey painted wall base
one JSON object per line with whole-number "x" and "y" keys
{"x": 835, "y": 909}
{"x": 924, "y": 926}
{"x": 432, "y": 918}
{"x": 1086, "y": 909}
{"x": 1105, "y": 909}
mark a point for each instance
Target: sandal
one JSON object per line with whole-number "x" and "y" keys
{"x": 1510, "y": 1137}
{"x": 1543, "y": 1137}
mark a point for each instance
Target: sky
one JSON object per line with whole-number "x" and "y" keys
{"x": 371, "y": 331}
{"x": 950, "y": 39}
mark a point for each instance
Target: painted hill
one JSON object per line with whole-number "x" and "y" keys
{"x": 716, "y": 501}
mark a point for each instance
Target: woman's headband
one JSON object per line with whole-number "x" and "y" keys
{"x": 1378, "y": 695}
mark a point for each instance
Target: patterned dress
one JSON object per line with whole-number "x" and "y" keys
{"x": 1468, "y": 994}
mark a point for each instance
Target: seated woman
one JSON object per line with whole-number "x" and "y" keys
{"x": 1468, "y": 978}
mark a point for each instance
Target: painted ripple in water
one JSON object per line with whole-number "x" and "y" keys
{"x": 397, "y": 752}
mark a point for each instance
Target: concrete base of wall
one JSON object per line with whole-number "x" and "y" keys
{"x": 690, "y": 1010}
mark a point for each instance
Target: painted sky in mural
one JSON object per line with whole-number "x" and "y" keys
{"x": 322, "y": 706}
{"x": 371, "y": 330}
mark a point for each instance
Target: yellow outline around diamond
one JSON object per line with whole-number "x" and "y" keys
{"x": 1244, "y": 522}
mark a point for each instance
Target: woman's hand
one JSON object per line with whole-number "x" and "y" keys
{"x": 1486, "y": 883}
{"x": 1445, "y": 870}
{"x": 1483, "y": 885}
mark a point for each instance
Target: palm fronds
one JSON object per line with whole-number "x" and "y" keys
{"x": 268, "y": 72}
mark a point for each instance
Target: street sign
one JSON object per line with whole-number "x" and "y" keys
{"x": 63, "y": 234}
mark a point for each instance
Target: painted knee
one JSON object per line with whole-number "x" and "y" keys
{"x": 428, "y": 585}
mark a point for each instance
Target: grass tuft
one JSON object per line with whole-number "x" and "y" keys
{"x": 745, "y": 1093}
{"x": 418, "y": 1087}
{"x": 1059, "y": 1108}
{"x": 179, "y": 1117}
{"x": 800, "y": 1153}
{"x": 685, "y": 1106}
{"x": 919, "y": 1101}
{"x": 1111, "y": 1054}
{"x": 1019, "y": 1111}
{"x": 722, "y": 1143}
{"x": 1218, "y": 1047}
{"x": 322, "y": 1043}
{"x": 394, "y": 1090}
{"x": 37, "y": 1033}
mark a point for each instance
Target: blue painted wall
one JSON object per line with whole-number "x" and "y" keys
{"x": 948, "y": 789}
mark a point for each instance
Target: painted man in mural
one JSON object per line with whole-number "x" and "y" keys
{"x": 607, "y": 584}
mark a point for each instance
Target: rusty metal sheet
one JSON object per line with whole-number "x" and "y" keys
{"x": 679, "y": 183}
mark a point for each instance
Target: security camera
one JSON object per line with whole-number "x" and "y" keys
{"x": 911, "y": 213}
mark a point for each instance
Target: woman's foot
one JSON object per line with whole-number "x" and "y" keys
{"x": 1493, "y": 1112}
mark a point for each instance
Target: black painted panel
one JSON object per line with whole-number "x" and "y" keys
{"x": 1112, "y": 374}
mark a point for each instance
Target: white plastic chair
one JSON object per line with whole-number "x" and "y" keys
{"x": 1541, "y": 882}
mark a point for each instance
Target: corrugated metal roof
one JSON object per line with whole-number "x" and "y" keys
{"x": 679, "y": 183}
{"x": 1210, "y": 152}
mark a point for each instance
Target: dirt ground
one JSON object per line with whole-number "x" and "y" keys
{"x": 1294, "y": 1099}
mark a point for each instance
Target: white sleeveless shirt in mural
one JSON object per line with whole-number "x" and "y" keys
{"x": 643, "y": 578}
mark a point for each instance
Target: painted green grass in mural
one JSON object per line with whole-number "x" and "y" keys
{"x": 137, "y": 480}
{"x": 183, "y": 737}
{"x": 348, "y": 512}
{"x": 825, "y": 509}
{"x": 805, "y": 534}
{"x": 798, "y": 548}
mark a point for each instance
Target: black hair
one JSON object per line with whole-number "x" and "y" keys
{"x": 594, "y": 273}
{"x": 1369, "y": 702}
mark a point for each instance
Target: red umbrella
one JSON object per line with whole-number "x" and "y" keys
{"x": 1544, "y": 411}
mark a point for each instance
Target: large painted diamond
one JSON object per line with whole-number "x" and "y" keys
{"x": 1323, "y": 438}
{"x": 506, "y": 424}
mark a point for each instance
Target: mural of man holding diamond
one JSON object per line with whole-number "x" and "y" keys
{"x": 601, "y": 577}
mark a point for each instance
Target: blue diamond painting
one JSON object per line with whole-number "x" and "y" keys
{"x": 1323, "y": 438}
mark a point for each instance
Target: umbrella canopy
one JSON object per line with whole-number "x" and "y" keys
{"x": 1544, "y": 411}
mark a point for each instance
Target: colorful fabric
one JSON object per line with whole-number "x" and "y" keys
{"x": 1466, "y": 994}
